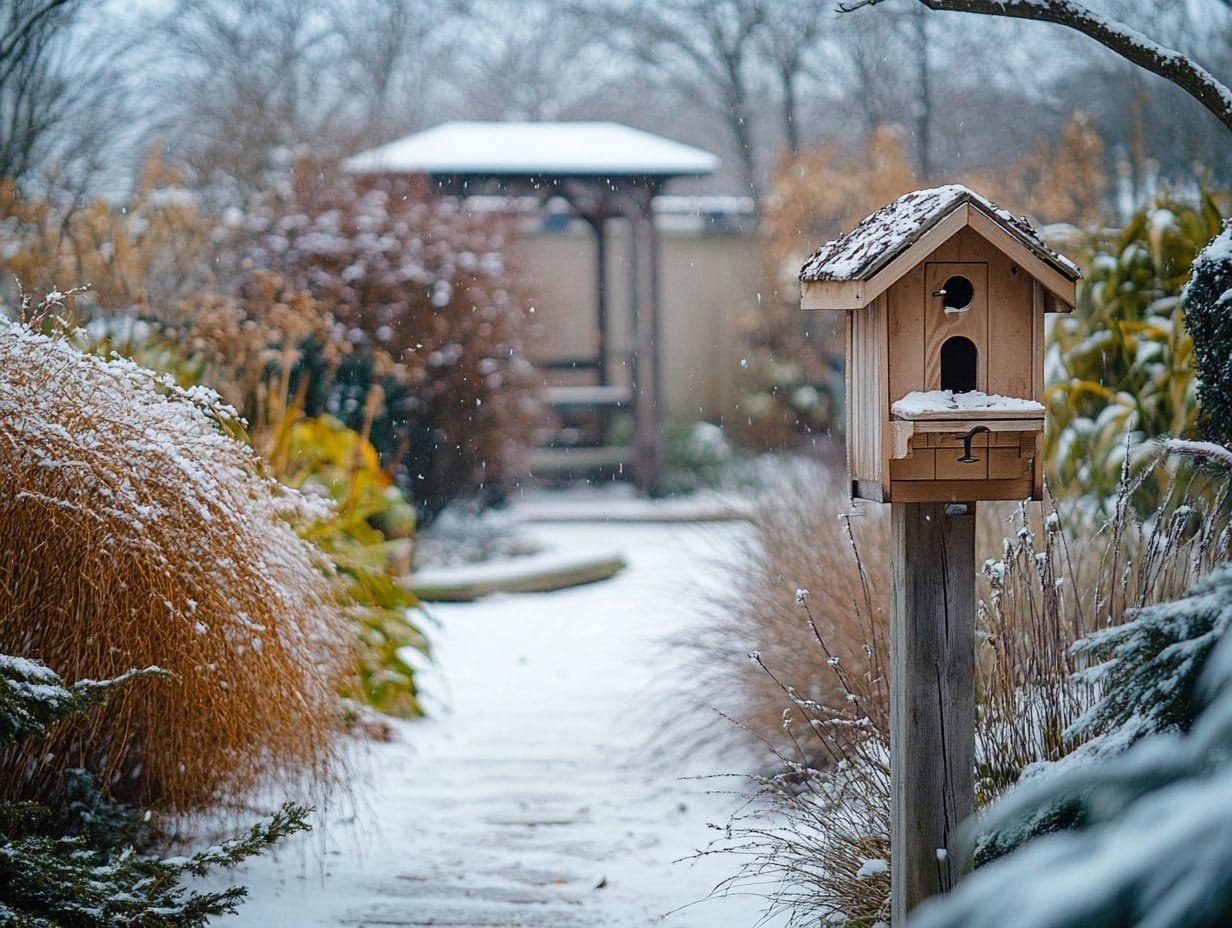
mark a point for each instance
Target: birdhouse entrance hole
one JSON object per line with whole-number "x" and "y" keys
{"x": 959, "y": 363}
{"x": 956, "y": 295}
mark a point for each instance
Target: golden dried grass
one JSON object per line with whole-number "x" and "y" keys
{"x": 135, "y": 531}
{"x": 805, "y": 537}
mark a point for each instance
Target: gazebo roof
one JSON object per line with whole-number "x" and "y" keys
{"x": 535, "y": 149}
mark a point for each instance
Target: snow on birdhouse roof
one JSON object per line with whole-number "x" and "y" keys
{"x": 879, "y": 238}
{"x": 565, "y": 149}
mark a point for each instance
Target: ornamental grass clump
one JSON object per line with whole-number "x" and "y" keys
{"x": 136, "y": 530}
{"x": 804, "y": 536}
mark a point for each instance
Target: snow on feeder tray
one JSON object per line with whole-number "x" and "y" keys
{"x": 945, "y": 296}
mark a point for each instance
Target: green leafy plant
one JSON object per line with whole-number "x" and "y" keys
{"x": 1120, "y": 367}
{"x": 367, "y": 533}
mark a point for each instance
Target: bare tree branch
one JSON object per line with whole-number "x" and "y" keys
{"x": 1130, "y": 44}
{"x": 22, "y": 23}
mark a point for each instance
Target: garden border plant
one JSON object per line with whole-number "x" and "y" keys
{"x": 809, "y": 821}
{"x": 89, "y": 863}
{"x": 135, "y": 530}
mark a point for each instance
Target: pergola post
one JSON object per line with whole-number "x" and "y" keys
{"x": 645, "y": 315}
{"x": 597, "y": 220}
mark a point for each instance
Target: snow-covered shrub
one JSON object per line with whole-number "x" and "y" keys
{"x": 251, "y": 349}
{"x": 90, "y": 864}
{"x": 1208, "y": 318}
{"x": 425, "y": 283}
{"x": 150, "y": 296}
{"x": 698, "y": 454}
{"x": 134, "y": 530}
{"x": 1120, "y": 367}
{"x": 1149, "y": 842}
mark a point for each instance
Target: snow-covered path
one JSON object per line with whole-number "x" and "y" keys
{"x": 529, "y": 798}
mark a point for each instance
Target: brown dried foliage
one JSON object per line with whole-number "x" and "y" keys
{"x": 1058, "y": 182}
{"x": 144, "y": 257}
{"x": 133, "y": 532}
{"x": 813, "y": 197}
{"x": 805, "y": 538}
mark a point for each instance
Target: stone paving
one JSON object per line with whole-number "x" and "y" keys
{"x": 530, "y": 799}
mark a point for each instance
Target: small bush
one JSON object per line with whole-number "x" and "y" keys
{"x": 1209, "y": 323}
{"x": 135, "y": 531}
{"x": 253, "y": 350}
{"x": 428, "y": 285}
{"x": 1121, "y": 366}
{"x": 85, "y": 865}
{"x": 803, "y": 538}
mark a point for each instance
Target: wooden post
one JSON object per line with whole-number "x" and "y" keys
{"x": 649, "y": 450}
{"x": 932, "y": 697}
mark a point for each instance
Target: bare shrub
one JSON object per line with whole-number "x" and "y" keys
{"x": 805, "y": 537}
{"x": 820, "y": 833}
{"x": 1065, "y": 571}
{"x": 135, "y": 531}
{"x": 426, "y": 292}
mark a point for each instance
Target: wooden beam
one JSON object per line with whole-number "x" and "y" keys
{"x": 932, "y": 701}
{"x": 832, "y": 294}
{"x": 923, "y": 491}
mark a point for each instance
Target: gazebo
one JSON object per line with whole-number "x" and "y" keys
{"x": 604, "y": 171}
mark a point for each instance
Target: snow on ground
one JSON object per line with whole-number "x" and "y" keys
{"x": 530, "y": 797}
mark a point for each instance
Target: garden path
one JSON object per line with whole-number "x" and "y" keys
{"x": 534, "y": 795}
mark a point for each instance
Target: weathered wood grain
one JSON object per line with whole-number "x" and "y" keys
{"x": 932, "y": 711}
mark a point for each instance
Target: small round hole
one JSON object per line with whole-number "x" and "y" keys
{"x": 957, "y": 294}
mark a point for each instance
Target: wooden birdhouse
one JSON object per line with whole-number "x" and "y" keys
{"x": 945, "y": 296}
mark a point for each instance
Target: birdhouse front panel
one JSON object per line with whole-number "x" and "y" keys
{"x": 955, "y": 326}
{"x": 945, "y": 346}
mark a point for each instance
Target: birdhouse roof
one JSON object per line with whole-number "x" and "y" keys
{"x": 917, "y": 223}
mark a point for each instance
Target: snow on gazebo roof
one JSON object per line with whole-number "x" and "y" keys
{"x": 881, "y": 237}
{"x": 562, "y": 149}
